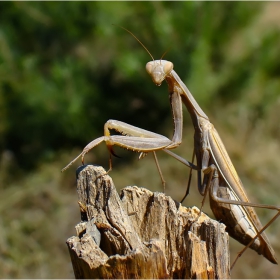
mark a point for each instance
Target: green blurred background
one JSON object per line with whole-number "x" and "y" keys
{"x": 65, "y": 70}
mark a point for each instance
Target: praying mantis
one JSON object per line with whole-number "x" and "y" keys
{"x": 228, "y": 199}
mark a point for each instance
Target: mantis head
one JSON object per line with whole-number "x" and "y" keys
{"x": 158, "y": 70}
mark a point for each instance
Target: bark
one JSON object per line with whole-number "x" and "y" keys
{"x": 140, "y": 234}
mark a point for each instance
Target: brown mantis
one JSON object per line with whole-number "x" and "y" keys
{"x": 228, "y": 199}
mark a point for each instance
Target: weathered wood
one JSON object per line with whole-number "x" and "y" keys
{"x": 140, "y": 234}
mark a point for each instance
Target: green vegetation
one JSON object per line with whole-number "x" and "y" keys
{"x": 65, "y": 70}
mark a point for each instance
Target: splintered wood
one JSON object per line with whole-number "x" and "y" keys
{"x": 140, "y": 234}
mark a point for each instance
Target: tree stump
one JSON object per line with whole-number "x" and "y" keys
{"x": 141, "y": 234}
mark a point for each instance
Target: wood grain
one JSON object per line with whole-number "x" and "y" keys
{"x": 141, "y": 234}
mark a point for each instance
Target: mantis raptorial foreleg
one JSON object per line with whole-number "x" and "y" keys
{"x": 134, "y": 138}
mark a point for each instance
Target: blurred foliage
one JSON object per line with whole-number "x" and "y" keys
{"x": 66, "y": 68}
{"x": 60, "y": 62}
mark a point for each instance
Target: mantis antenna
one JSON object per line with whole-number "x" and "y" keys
{"x": 164, "y": 53}
{"x": 137, "y": 40}
{"x": 142, "y": 43}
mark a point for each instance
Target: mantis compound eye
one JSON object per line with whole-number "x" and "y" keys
{"x": 149, "y": 67}
{"x": 168, "y": 67}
